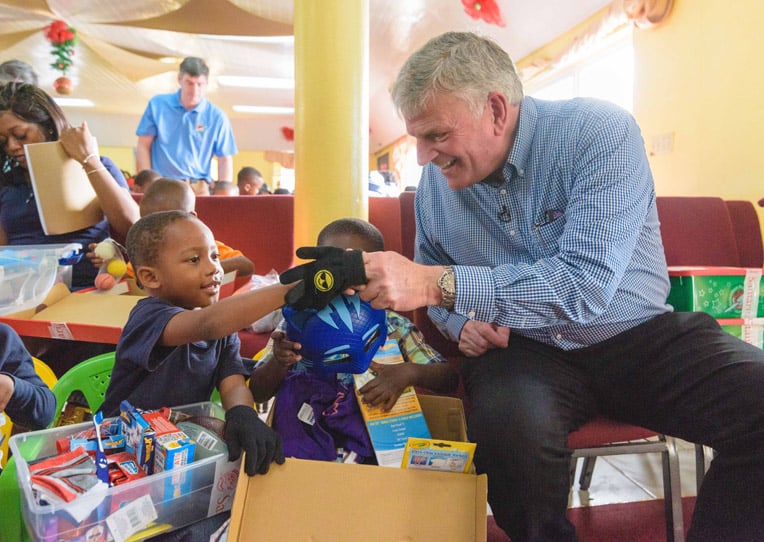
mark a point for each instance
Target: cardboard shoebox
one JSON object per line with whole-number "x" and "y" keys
{"x": 328, "y": 501}
{"x": 86, "y": 315}
{"x": 750, "y": 331}
{"x": 133, "y": 510}
{"x": 82, "y": 316}
{"x": 722, "y": 292}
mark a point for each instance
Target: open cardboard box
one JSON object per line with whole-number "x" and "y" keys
{"x": 82, "y": 316}
{"x": 325, "y": 501}
{"x": 86, "y": 315}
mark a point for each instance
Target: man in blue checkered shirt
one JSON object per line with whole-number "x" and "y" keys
{"x": 538, "y": 250}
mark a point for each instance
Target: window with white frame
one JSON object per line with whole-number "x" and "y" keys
{"x": 604, "y": 70}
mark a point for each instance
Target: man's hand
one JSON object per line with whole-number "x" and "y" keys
{"x": 397, "y": 283}
{"x": 479, "y": 337}
{"x": 245, "y": 430}
{"x": 333, "y": 271}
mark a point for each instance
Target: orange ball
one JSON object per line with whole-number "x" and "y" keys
{"x": 105, "y": 281}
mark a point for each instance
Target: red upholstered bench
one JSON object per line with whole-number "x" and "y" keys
{"x": 385, "y": 214}
{"x": 697, "y": 231}
{"x": 262, "y": 227}
{"x": 745, "y": 224}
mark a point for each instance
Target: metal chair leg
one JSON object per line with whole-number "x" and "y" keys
{"x": 587, "y": 470}
{"x": 672, "y": 492}
{"x": 572, "y": 471}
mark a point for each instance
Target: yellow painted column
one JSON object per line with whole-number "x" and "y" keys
{"x": 331, "y": 114}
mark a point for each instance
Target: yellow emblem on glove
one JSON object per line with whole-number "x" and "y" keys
{"x": 323, "y": 280}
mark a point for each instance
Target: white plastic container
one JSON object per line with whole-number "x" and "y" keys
{"x": 28, "y": 272}
{"x": 138, "y": 509}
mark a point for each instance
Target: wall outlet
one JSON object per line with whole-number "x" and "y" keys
{"x": 662, "y": 144}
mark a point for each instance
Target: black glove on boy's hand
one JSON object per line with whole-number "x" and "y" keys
{"x": 333, "y": 270}
{"x": 245, "y": 430}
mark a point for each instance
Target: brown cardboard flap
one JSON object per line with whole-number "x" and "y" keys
{"x": 334, "y": 502}
{"x": 96, "y": 309}
{"x": 444, "y": 416}
{"x": 324, "y": 501}
{"x": 82, "y": 316}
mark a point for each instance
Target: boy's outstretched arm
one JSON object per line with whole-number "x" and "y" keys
{"x": 227, "y": 316}
{"x": 245, "y": 431}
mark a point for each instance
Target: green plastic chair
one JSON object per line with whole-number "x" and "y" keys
{"x": 91, "y": 377}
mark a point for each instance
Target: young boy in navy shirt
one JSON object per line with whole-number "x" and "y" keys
{"x": 180, "y": 342}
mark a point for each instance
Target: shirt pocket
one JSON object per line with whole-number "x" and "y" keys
{"x": 546, "y": 238}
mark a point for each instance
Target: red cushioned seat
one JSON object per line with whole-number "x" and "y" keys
{"x": 252, "y": 343}
{"x": 745, "y": 225}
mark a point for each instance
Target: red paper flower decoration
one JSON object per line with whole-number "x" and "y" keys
{"x": 63, "y": 38}
{"x": 484, "y": 9}
{"x": 288, "y": 133}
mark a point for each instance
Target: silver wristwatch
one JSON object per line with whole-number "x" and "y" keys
{"x": 447, "y": 285}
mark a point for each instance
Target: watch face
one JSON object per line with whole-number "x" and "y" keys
{"x": 446, "y": 281}
{"x": 447, "y": 285}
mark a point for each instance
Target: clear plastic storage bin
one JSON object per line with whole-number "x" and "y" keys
{"x": 28, "y": 272}
{"x": 139, "y": 509}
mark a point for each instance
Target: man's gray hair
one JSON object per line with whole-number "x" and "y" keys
{"x": 459, "y": 63}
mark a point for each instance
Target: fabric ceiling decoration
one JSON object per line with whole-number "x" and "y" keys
{"x": 9, "y": 40}
{"x": 286, "y": 159}
{"x": 133, "y": 49}
{"x": 213, "y": 17}
{"x": 641, "y": 13}
{"x": 647, "y": 13}
{"x": 129, "y": 51}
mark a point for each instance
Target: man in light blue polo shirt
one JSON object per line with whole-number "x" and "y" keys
{"x": 180, "y": 132}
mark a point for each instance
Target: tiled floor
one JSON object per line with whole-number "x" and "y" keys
{"x": 634, "y": 477}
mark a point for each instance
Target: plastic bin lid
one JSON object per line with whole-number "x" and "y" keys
{"x": 28, "y": 272}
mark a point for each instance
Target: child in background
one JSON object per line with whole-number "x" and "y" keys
{"x": 425, "y": 367}
{"x": 180, "y": 342}
{"x": 225, "y": 188}
{"x": 173, "y": 195}
{"x": 143, "y": 180}
{"x": 24, "y": 397}
{"x": 250, "y": 182}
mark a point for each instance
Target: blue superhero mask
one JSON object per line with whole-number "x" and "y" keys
{"x": 343, "y": 337}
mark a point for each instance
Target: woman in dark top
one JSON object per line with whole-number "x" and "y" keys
{"x": 29, "y": 115}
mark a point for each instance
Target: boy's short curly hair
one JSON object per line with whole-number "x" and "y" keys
{"x": 353, "y": 226}
{"x": 146, "y": 237}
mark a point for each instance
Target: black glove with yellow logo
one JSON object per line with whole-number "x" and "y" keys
{"x": 332, "y": 271}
